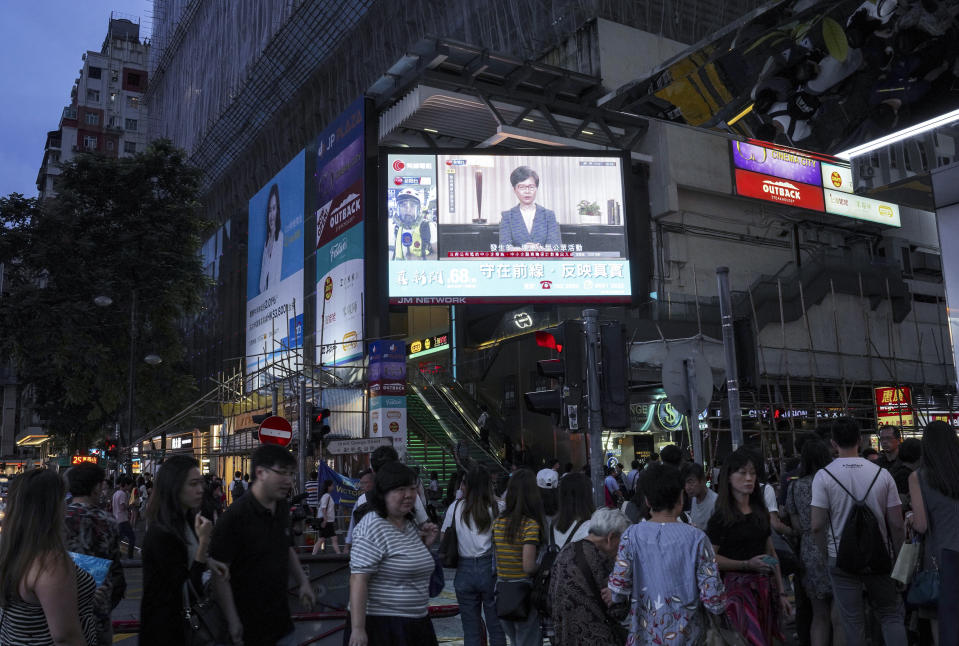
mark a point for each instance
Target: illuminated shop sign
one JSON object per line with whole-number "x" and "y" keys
{"x": 83, "y": 459}
{"x": 862, "y": 208}
{"x": 776, "y": 162}
{"x": 431, "y": 344}
{"x": 838, "y": 178}
{"x": 778, "y": 190}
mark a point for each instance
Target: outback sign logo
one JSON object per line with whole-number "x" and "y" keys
{"x": 781, "y": 189}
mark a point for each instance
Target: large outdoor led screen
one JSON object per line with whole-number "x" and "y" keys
{"x": 496, "y": 228}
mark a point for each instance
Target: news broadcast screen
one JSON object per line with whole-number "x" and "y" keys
{"x": 486, "y": 228}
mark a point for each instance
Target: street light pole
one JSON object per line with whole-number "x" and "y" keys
{"x": 131, "y": 378}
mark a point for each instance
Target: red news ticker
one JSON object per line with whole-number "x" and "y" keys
{"x": 779, "y": 190}
{"x": 510, "y": 254}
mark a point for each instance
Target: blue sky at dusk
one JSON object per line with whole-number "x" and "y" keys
{"x": 41, "y": 42}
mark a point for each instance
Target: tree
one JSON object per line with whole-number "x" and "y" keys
{"x": 123, "y": 228}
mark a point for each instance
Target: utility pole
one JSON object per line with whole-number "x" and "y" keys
{"x": 301, "y": 461}
{"x": 126, "y": 446}
{"x": 595, "y": 418}
{"x": 729, "y": 346}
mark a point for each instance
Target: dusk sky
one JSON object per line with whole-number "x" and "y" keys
{"x": 41, "y": 44}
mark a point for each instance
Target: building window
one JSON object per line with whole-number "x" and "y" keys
{"x": 133, "y": 79}
{"x": 131, "y": 124}
{"x": 93, "y": 95}
{"x": 130, "y": 147}
{"x": 110, "y": 145}
{"x": 509, "y": 392}
{"x": 93, "y": 72}
{"x": 133, "y": 101}
{"x": 90, "y": 143}
{"x": 114, "y": 76}
{"x": 92, "y": 118}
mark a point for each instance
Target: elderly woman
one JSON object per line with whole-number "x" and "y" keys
{"x": 390, "y": 566}
{"x": 580, "y": 572}
{"x": 666, "y": 568}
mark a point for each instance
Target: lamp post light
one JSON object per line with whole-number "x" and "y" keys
{"x": 152, "y": 359}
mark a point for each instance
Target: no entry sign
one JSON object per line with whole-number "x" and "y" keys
{"x": 276, "y": 430}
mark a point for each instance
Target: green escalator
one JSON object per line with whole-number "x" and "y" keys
{"x": 424, "y": 446}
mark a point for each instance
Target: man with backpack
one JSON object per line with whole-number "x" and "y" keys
{"x": 857, "y": 522}
{"x": 237, "y": 488}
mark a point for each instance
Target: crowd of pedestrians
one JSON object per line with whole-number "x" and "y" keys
{"x": 674, "y": 557}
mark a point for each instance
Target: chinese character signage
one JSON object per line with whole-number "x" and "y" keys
{"x": 387, "y": 382}
{"x": 497, "y": 228}
{"x": 428, "y": 345}
{"x": 274, "y": 284}
{"x": 894, "y": 406}
{"x": 862, "y": 208}
{"x": 338, "y": 186}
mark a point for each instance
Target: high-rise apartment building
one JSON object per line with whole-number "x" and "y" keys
{"x": 106, "y": 112}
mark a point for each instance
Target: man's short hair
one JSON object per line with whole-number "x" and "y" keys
{"x": 910, "y": 450}
{"x": 125, "y": 480}
{"x": 671, "y": 454}
{"x": 662, "y": 485}
{"x": 83, "y": 478}
{"x": 895, "y": 430}
{"x": 693, "y": 470}
{"x": 271, "y": 455}
{"x": 381, "y": 455}
{"x": 634, "y": 464}
{"x": 845, "y": 432}
{"x": 238, "y": 474}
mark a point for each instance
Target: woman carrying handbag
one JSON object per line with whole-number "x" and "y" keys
{"x": 934, "y": 491}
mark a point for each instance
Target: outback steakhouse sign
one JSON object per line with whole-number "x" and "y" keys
{"x": 779, "y": 190}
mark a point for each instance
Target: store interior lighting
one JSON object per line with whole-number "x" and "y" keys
{"x": 906, "y": 133}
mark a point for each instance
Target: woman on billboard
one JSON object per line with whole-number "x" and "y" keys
{"x": 528, "y": 225}
{"x": 272, "y": 260}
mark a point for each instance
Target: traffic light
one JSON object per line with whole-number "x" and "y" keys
{"x": 563, "y": 403}
{"x": 319, "y": 425}
{"x": 259, "y": 419}
{"x": 110, "y": 448}
{"x": 614, "y": 375}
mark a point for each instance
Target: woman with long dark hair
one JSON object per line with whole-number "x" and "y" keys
{"x": 271, "y": 262}
{"x": 44, "y": 598}
{"x": 814, "y": 572}
{"x": 934, "y": 491}
{"x": 390, "y": 566}
{"x": 475, "y": 580}
{"x": 174, "y": 550}
{"x": 739, "y": 530}
{"x": 517, "y": 535}
{"x": 575, "y": 500}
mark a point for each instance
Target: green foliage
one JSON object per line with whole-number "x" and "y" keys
{"x": 116, "y": 226}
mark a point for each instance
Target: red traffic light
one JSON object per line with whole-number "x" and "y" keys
{"x": 548, "y": 340}
{"x": 320, "y": 415}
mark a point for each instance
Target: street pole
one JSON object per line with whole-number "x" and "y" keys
{"x": 301, "y": 461}
{"x": 274, "y": 395}
{"x": 692, "y": 415}
{"x": 729, "y": 346}
{"x": 126, "y": 445}
{"x": 594, "y": 420}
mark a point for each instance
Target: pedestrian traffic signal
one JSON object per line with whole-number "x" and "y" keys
{"x": 319, "y": 425}
{"x": 563, "y": 403}
{"x": 614, "y": 375}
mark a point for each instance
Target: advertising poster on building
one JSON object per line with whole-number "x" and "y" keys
{"x": 274, "y": 283}
{"x": 387, "y": 379}
{"x": 779, "y": 163}
{"x": 894, "y": 406}
{"x": 338, "y": 186}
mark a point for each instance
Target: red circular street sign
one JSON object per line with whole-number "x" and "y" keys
{"x": 276, "y": 430}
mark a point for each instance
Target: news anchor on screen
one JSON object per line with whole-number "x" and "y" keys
{"x": 528, "y": 225}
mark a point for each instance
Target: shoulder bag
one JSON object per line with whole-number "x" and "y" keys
{"x": 449, "y": 546}
{"x": 203, "y": 621}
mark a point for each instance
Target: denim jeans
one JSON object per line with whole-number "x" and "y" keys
{"x": 475, "y": 584}
{"x": 125, "y": 530}
{"x": 524, "y": 633}
{"x": 884, "y": 598}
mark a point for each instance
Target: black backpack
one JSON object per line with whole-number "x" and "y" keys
{"x": 540, "y": 590}
{"x": 237, "y": 489}
{"x": 861, "y": 548}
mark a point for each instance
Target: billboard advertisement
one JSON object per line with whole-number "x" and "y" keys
{"x": 274, "y": 283}
{"x": 387, "y": 379}
{"x": 837, "y": 177}
{"x": 780, "y": 191}
{"x": 862, "y": 208}
{"x": 498, "y": 228}
{"x": 776, "y": 162}
{"x": 338, "y": 187}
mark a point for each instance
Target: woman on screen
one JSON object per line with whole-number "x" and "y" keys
{"x": 272, "y": 260}
{"x": 528, "y": 225}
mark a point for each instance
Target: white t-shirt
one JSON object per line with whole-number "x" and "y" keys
{"x": 560, "y": 537}
{"x": 855, "y": 474}
{"x": 419, "y": 511}
{"x": 769, "y": 496}
{"x": 700, "y": 512}
{"x": 470, "y": 542}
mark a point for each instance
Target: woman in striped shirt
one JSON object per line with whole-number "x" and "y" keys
{"x": 390, "y": 566}
{"x": 517, "y": 535}
{"x": 44, "y": 598}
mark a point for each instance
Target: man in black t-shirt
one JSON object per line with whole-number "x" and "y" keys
{"x": 253, "y": 537}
